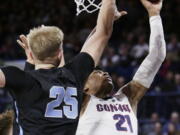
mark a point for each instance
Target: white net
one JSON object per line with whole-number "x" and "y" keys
{"x": 89, "y": 6}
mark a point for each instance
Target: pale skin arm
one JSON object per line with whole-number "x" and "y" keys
{"x": 96, "y": 43}
{"x": 23, "y": 42}
{"x": 135, "y": 90}
{"x": 2, "y": 79}
{"x": 86, "y": 96}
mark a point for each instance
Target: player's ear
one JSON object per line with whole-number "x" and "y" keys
{"x": 61, "y": 58}
{"x": 31, "y": 55}
{"x": 86, "y": 90}
{"x": 60, "y": 52}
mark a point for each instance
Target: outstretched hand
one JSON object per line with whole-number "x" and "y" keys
{"x": 153, "y": 9}
{"x": 23, "y": 42}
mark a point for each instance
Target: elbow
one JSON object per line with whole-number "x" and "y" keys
{"x": 162, "y": 58}
{"x": 162, "y": 54}
{"x": 163, "y": 50}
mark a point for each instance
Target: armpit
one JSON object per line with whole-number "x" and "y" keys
{"x": 134, "y": 91}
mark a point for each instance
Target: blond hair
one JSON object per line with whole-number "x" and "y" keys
{"x": 45, "y": 41}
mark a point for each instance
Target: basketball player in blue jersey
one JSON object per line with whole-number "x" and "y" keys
{"x": 48, "y": 99}
{"x": 117, "y": 115}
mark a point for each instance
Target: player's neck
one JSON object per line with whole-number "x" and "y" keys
{"x": 44, "y": 66}
{"x": 86, "y": 99}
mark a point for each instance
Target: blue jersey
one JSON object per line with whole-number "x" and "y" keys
{"x": 48, "y": 101}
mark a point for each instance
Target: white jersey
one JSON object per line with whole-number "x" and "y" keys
{"x": 108, "y": 117}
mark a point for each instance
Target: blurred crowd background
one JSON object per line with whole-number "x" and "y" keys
{"x": 159, "y": 109}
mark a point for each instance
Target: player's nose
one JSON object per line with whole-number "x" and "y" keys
{"x": 106, "y": 74}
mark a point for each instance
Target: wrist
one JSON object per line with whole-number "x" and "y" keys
{"x": 154, "y": 13}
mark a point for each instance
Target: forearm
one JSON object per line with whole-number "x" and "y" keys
{"x": 91, "y": 34}
{"x": 157, "y": 53}
{"x": 96, "y": 43}
{"x": 106, "y": 17}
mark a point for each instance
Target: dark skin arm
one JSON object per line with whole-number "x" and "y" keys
{"x": 134, "y": 91}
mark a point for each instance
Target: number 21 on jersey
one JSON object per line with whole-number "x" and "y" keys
{"x": 70, "y": 109}
{"x": 121, "y": 120}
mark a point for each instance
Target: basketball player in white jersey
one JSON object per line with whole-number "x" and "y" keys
{"x": 117, "y": 115}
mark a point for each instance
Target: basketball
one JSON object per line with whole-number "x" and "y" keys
{"x": 154, "y": 1}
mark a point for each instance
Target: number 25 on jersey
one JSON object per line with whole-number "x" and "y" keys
{"x": 70, "y": 109}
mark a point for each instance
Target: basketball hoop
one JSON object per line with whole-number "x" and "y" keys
{"x": 88, "y": 6}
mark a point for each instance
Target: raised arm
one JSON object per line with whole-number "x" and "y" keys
{"x": 144, "y": 76}
{"x": 23, "y": 42}
{"x": 96, "y": 43}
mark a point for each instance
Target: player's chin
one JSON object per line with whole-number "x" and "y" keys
{"x": 110, "y": 83}
{"x": 109, "y": 86}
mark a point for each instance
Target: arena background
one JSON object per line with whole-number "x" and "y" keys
{"x": 159, "y": 110}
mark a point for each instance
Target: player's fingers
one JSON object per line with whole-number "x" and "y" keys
{"x": 119, "y": 14}
{"x": 21, "y": 44}
{"x": 24, "y": 40}
{"x": 122, "y": 13}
